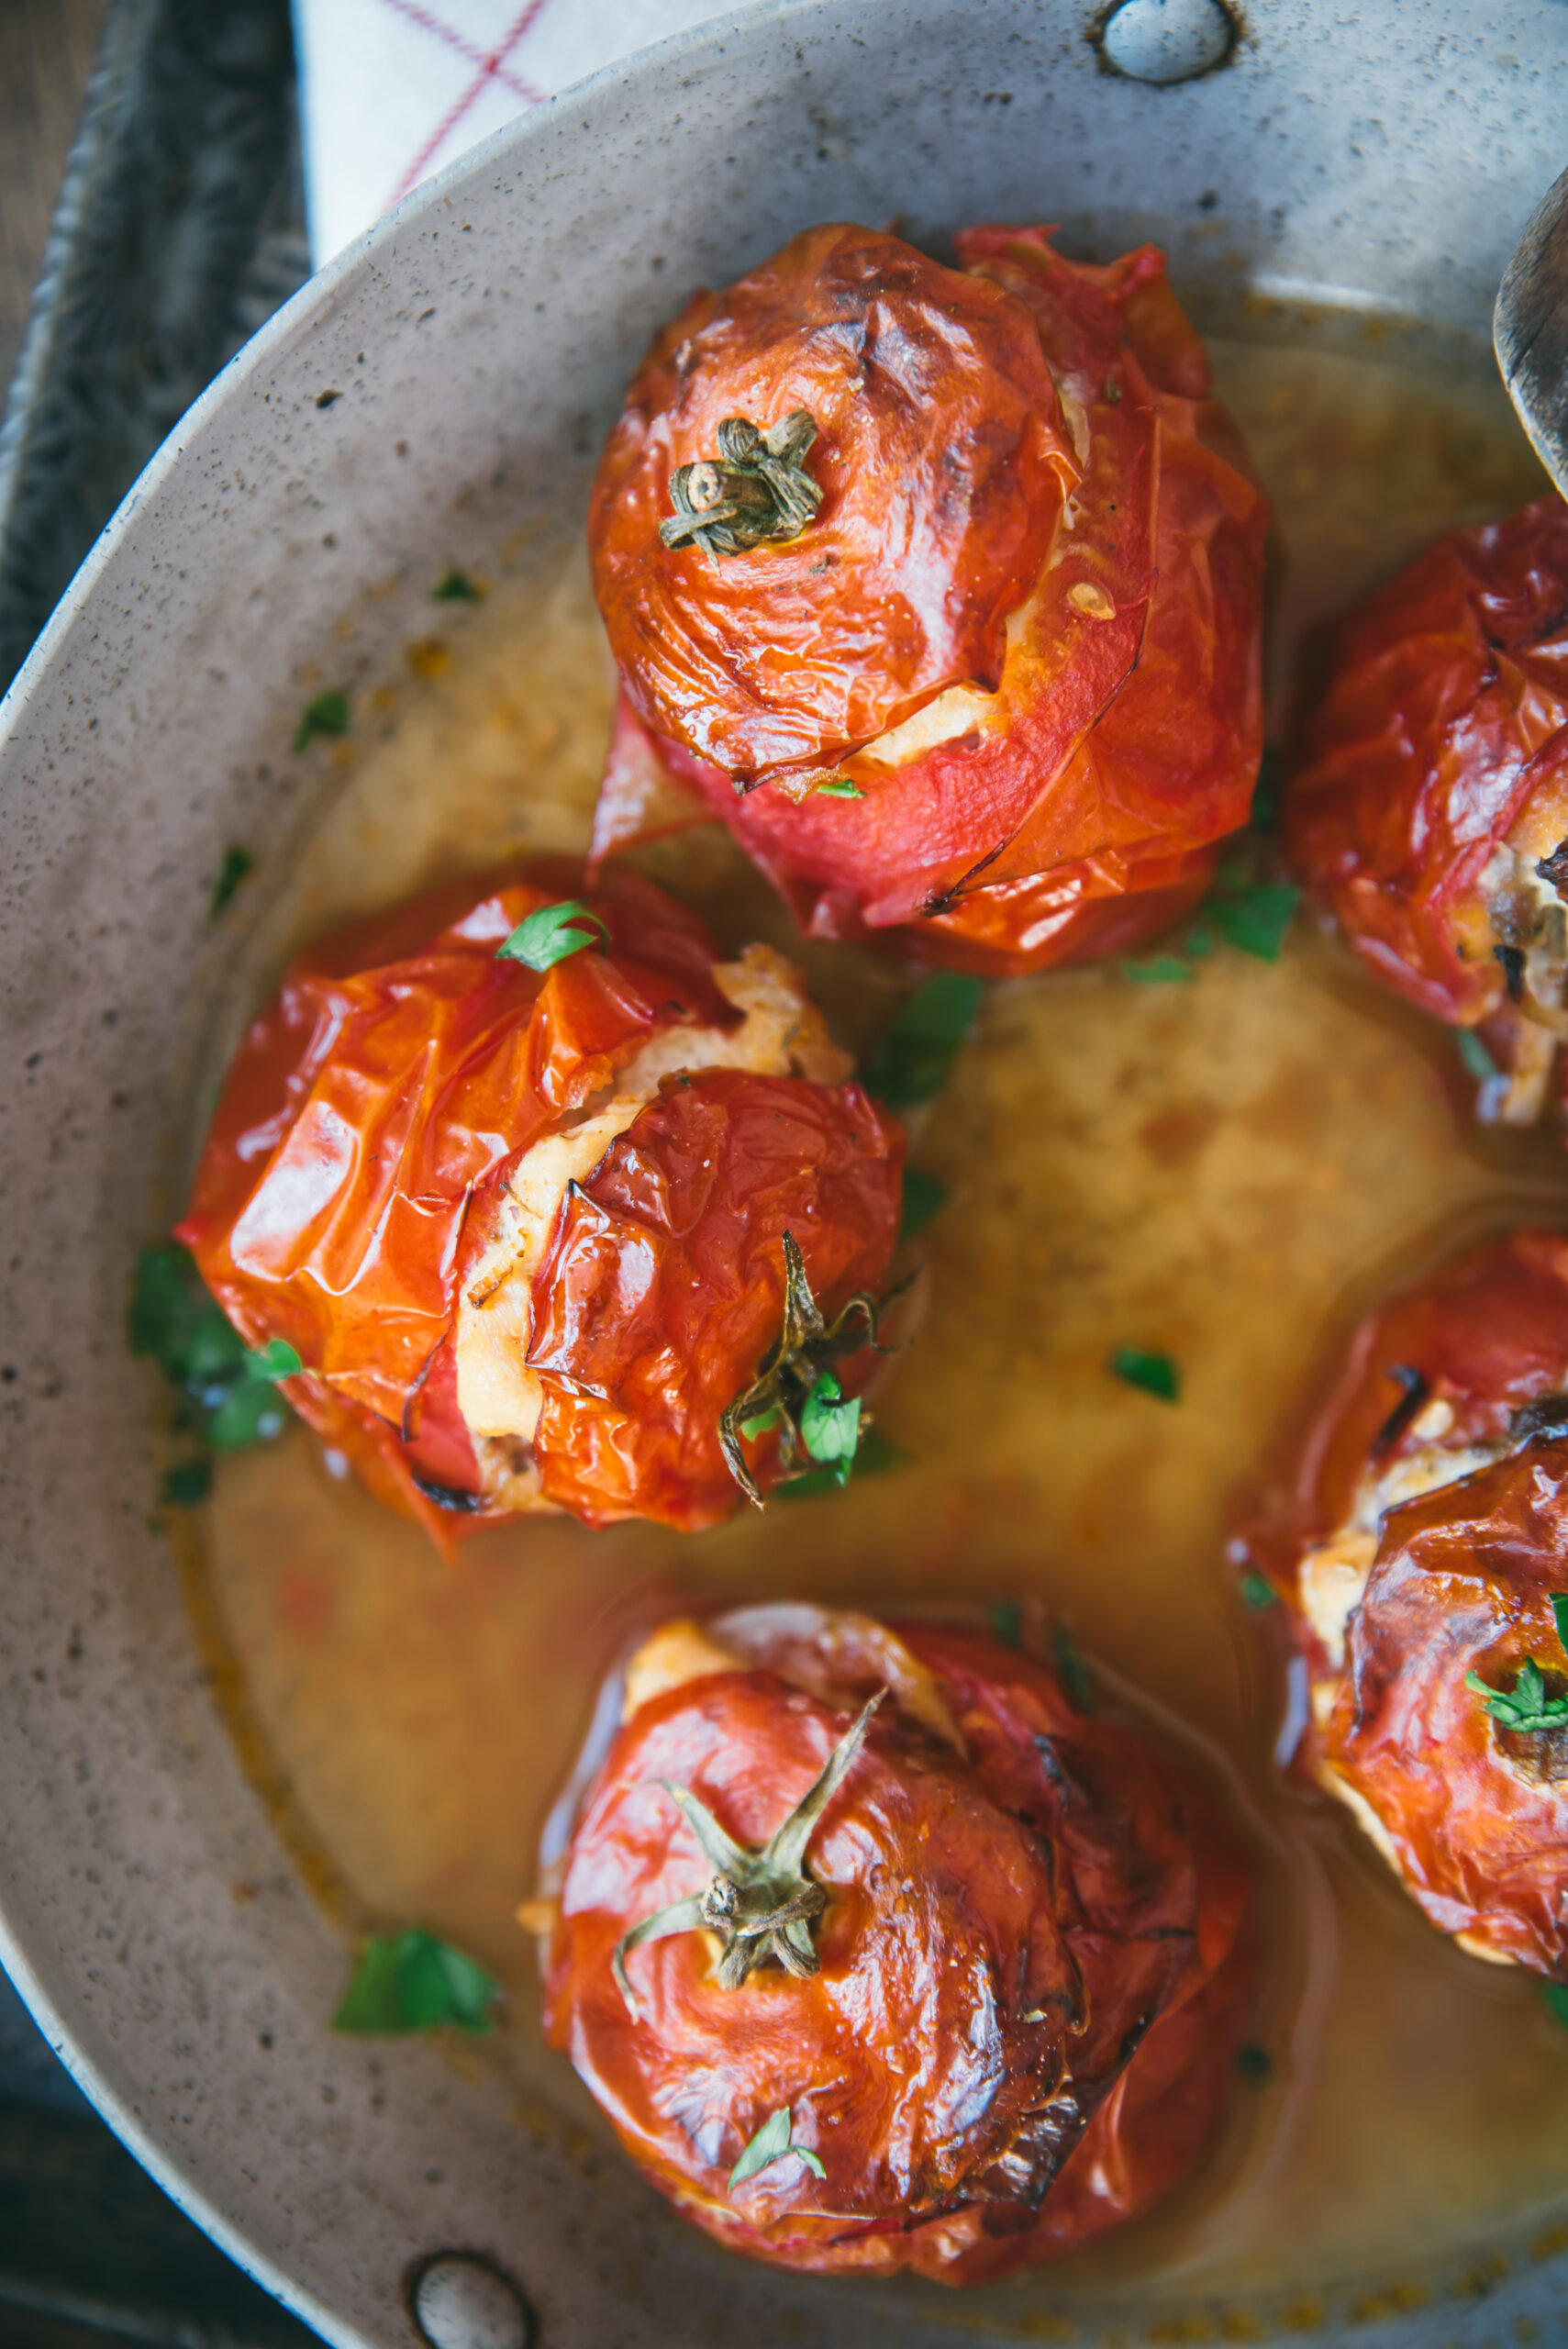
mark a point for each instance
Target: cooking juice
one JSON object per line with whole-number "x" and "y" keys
{"x": 1225, "y": 1169}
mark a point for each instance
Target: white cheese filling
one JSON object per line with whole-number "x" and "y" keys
{"x": 780, "y": 1034}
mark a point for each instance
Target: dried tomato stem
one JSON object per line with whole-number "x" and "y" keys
{"x": 805, "y": 1348}
{"x": 763, "y": 1904}
{"x": 757, "y": 489}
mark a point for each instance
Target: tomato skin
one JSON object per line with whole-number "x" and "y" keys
{"x": 1074, "y": 805}
{"x": 915, "y": 374}
{"x": 1460, "y": 1579}
{"x": 375, "y": 1109}
{"x": 664, "y": 1283}
{"x": 1438, "y": 726}
{"x": 1001, "y": 1928}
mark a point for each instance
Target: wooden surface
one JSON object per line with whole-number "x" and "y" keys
{"x": 46, "y": 55}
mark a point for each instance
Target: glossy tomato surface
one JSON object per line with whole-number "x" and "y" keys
{"x": 1432, "y": 1501}
{"x": 997, "y": 816}
{"x": 1034, "y": 1957}
{"x": 1431, "y": 777}
{"x": 379, "y": 1105}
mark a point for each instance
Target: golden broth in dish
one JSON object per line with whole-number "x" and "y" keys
{"x": 1225, "y": 1171}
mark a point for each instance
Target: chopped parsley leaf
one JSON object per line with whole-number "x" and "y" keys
{"x": 840, "y": 787}
{"x": 1266, "y": 791}
{"x": 772, "y": 2144}
{"x": 1556, "y": 1997}
{"x": 237, "y": 866}
{"x": 412, "y": 1981}
{"x": 1075, "y": 1675}
{"x": 188, "y": 1481}
{"x": 831, "y": 1426}
{"x": 552, "y": 934}
{"x": 1254, "y": 2063}
{"x": 455, "y": 587}
{"x": 328, "y": 713}
{"x": 1155, "y": 1373}
{"x": 1526, "y": 1707}
{"x": 1259, "y": 1592}
{"x": 1007, "y": 1622}
{"x": 916, "y": 1057}
{"x": 1160, "y": 970}
{"x": 227, "y": 1393}
{"x": 874, "y": 1455}
{"x": 1477, "y": 1060}
{"x": 1255, "y": 916}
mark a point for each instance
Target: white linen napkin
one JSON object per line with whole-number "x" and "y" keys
{"x": 393, "y": 89}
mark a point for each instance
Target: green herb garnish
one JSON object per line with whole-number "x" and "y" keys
{"x": 831, "y": 1426}
{"x": 924, "y": 1196}
{"x": 328, "y": 713}
{"x": 1155, "y": 1373}
{"x": 1526, "y": 1707}
{"x": 455, "y": 587}
{"x": 770, "y": 2144}
{"x": 1259, "y": 1592}
{"x": 1255, "y": 2063}
{"x": 875, "y": 1455}
{"x": 1076, "y": 1676}
{"x": 797, "y": 1389}
{"x": 238, "y": 863}
{"x": 412, "y": 1981}
{"x": 1556, "y": 1997}
{"x": 552, "y": 934}
{"x": 839, "y": 787}
{"x": 915, "y": 1058}
{"x": 1007, "y": 1622}
{"x": 1266, "y": 791}
{"x": 1477, "y": 1060}
{"x": 225, "y": 1392}
{"x": 1160, "y": 970}
{"x": 763, "y": 1904}
{"x": 1252, "y": 915}
{"x": 187, "y": 1483}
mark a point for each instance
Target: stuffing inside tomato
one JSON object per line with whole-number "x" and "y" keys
{"x": 1427, "y": 809}
{"x": 532, "y": 1227}
{"x": 1426, "y": 1574}
{"x": 881, "y": 1952}
{"x": 974, "y": 657}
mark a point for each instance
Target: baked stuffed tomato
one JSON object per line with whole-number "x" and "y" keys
{"x": 941, "y": 587}
{"x": 1428, "y": 1587}
{"x": 538, "y": 1189}
{"x": 1428, "y": 808}
{"x": 880, "y": 1953}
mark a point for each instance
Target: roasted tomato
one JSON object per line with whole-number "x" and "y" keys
{"x": 1429, "y": 1541}
{"x": 532, "y": 1232}
{"x": 1428, "y": 806}
{"x": 880, "y": 1953}
{"x": 955, "y": 623}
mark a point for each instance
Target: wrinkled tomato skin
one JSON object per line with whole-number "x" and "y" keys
{"x": 1000, "y": 1929}
{"x": 1437, "y": 721}
{"x": 1075, "y": 808}
{"x": 795, "y": 654}
{"x": 663, "y": 1286}
{"x": 1461, "y": 1582}
{"x": 400, "y": 1072}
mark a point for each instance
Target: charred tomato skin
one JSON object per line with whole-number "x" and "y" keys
{"x": 1459, "y": 1578}
{"x": 370, "y": 1112}
{"x": 1434, "y": 734}
{"x": 1035, "y": 1967}
{"x": 1074, "y": 803}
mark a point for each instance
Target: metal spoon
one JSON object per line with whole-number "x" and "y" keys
{"x": 1529, "y": 329}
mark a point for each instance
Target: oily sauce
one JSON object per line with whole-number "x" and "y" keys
{"x": 1225, "y": 1171}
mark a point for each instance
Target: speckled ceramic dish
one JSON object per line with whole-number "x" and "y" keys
{"x": 436, "y": 396}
